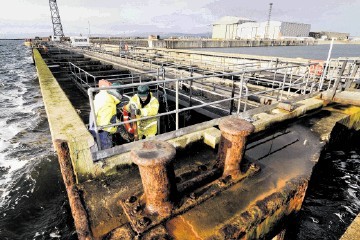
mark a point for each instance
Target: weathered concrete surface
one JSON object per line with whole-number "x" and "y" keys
{"x": 64, "y": 122}
{"x": 216, "y": 57}
{"x": 266, "y": 119}
{"x": 353, "y": 231}
{"x": 344, "y": 97}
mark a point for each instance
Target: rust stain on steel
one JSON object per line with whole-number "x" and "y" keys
{"x": 183, "y": 228}
{"x": 232, "y": 144}
{"x": 141, "y": 221}
{"x": 157, "y": 176}
{"x": 77, "y": 209}
{"x": 263, "y": 215}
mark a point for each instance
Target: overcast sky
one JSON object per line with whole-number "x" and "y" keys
{"x": 119, "y": 17}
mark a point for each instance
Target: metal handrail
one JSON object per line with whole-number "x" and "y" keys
{"x": 241, "y": 85}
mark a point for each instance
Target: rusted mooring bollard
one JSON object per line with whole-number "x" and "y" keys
{"x": 232, "y": 144}
{"x": 154, "y": 159}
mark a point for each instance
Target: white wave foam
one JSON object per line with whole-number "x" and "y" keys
{"x": 7, "y": 183}
{"x": 340, "y": 216}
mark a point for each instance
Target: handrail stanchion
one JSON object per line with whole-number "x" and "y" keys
{"x": 92, "y": 111}
{"x": 177, "y": 103}
{"x": 240, "y": 92}
{"x": 291, "y": 77}
{"x": 232, "y": 95}
{"x": 282, "y": 87}
{"x": 247, "y": 96}
{"x": 327, "y": 65}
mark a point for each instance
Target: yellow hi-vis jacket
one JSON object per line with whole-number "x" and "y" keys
{"x": 148, "y": 127}
{"x": 105, "y": 109}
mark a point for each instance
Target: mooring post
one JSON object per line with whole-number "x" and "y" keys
{"x": 77, "y": 209}
{"x": 232, "y": 144}
{"x": 154, "y": 159}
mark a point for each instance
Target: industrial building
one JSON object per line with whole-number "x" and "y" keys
{"x": 242, "y": 28}
{"x": 227, "y": 27}
{"x": 330, "y": 35}
{"x": 272, "y": 30}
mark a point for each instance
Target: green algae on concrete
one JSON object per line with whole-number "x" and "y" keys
{"x": 64, "y": 122}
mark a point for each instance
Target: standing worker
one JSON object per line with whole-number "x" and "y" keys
{"x": 145, "y": 105}
{"x": 105, "y": 111}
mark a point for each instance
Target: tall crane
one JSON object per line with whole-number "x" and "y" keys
{"x": 268, "y": 23}
{"x": 55, "y": 17}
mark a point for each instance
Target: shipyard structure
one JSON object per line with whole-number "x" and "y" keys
{"x": 238, "y": 137}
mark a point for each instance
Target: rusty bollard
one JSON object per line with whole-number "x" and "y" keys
{"x": 154, "y": 159}
{"x": 232, "y": 144}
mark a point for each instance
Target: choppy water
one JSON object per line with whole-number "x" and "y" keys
{"x": 333, "y": 198}
{"x": 309, "y": 52}
{"x": 33, "y": 201}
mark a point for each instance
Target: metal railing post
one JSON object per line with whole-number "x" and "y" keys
{"x": 232, "y": 95}
{"x": 282, "y": 87}
{"x": 290, "y": 83}
{"x": 240, "y": 92}
{"x": 177, "y": 103}
{"x": 92, "y": 111}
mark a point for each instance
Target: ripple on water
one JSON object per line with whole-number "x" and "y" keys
{"x": 33, "y": 202}
{"x": 332, "y": 198}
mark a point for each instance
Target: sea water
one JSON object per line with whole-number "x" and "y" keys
{"x": 33, "y": 201}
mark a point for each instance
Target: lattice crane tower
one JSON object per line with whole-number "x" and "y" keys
{"x": 268, "y": 22}
{"x": 55, "y": 17}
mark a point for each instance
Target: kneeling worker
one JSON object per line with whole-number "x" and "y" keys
{"x": 105, "y": 111}
{"x": 145, "y": 105}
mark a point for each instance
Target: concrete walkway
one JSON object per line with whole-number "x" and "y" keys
{"x": 353, "y": 231}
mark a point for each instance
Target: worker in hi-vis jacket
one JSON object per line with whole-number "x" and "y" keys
{"x": 145, "y": 105}
{"x": 105, "y": 103}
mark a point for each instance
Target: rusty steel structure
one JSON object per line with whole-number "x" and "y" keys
{"x": 232, "y": 145}
{"x": 157, "y": 175}
{"x": 162, "y": 198}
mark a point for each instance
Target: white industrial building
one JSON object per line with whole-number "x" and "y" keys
{"x": 242, "y": 28}
{"x": 227, "y": 27}
{"x": 273, "y": 30}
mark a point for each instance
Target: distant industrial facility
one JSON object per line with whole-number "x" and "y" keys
{"x": 329, "y": 35}
{"x": 227, "y": 27}
{"x": 272, "y": 30}
{"x": 243, "y": 28}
